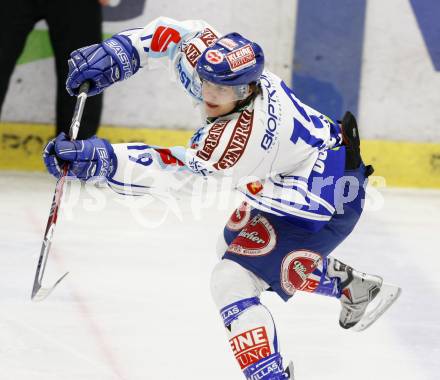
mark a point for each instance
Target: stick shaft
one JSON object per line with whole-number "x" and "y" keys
{"x": 78, "y": 112}
{"x": 56, "y": 201}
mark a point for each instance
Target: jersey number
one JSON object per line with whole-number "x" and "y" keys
{"x": 299, "y": 130}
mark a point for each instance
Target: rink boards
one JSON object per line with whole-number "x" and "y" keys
{"x": 401, "y": 164}
{"x": 386, "y": 73}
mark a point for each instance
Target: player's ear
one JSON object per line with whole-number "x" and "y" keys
{"x": 255, "y": 89}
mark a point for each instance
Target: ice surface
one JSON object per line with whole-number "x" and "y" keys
{"x": 136, "y": 304}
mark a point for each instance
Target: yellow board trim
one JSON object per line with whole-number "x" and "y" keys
{"x": 403, "y": 164}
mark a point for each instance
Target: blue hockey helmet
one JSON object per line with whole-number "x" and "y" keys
{"x": 233, "y": 60}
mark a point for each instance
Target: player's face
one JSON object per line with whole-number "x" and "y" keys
{"x": 218, "y": 100}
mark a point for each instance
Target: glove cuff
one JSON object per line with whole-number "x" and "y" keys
{"x": 107, "y": 162}
{"x": 125, "y": 55}
{"x": 113, "y": 160}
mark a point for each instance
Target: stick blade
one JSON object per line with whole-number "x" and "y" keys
{"x": 40, "y": 293}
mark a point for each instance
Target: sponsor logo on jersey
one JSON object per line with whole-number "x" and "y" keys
{"x": 238, "y": 141}
{"x": 252, "y": 236}
{"x": 228, "y": 43}
{"x": 214, "y": 56}
{"x": 168, "y": 159}
{"x": 196, "y": 138}
{"x": 208, "y": 37}
{"x": 311, "y": 285}
{"x": 212, "y": 140}
{"x": 320, "y": 162}
{"x": 254, "y": 187}
{"x": 239, "y": 218}
{"x": 251, "y": 346}
{"x": 192, "y": 54}
{"x": 257, "y": 238}
{"x": 162, "y": 37}
{"x": 272, "y": 118}
{"x": 296, "y": 271}
{"x": 241, "y": 58}
{"x": 198, "y": 167}
{"x": 183, "y": 75}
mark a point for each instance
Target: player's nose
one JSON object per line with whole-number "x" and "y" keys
{"x": 209, "y": 94}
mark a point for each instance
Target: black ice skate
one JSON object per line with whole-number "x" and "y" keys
{"x": 364, "y": 297}
{"x": 289, "y": 372}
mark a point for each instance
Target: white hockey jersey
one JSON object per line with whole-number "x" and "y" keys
{"x": 271, "y": 150}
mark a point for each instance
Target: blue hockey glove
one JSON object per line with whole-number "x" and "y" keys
{"x": 93, "y": 157}
{"x": 102, "y": 64}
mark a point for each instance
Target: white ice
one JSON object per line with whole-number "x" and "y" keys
{"x": 136, "y": 304}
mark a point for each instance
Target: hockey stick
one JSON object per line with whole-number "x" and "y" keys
{"x": 39, "y": 293}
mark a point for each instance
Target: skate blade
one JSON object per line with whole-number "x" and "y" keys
{"x": 385, "y": 298}
{"x": 289, "y": 371}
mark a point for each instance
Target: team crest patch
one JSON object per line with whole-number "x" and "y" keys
{"x": 239, "y": 218}
{"x": 257, "y": 238}
{"x": 214, "y": 56}
{"x": 296, "y": 271}
{"x": 241, "y": 58}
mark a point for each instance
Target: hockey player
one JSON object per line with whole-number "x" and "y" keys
{"x": 301, "y": 173}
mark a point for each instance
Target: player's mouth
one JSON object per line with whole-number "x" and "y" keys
{"x": 211, "y": 105}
